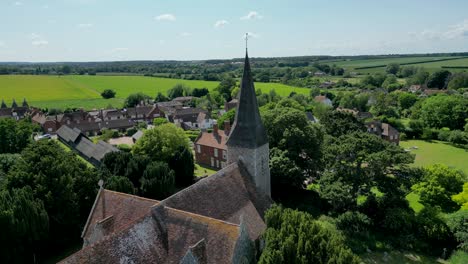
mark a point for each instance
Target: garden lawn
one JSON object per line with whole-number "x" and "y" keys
{"x": 76, "y": 91}
{"x": 429, "y": 153}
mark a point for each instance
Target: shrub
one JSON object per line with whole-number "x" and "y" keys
{"x": 353, "y": 222}
{"x": 458, "y": 224}
{"x": 108, "y": 93}
{"x": 459, "y": 257}
{"x": 158, "y": 181}
{"x": 120, "y": 184}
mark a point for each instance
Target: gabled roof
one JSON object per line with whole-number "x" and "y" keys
{"x": 388, "y": 130}
{"x": 68, "y": 134}
{"x": 248, "y": 130}
{"x": 211, "y": 140}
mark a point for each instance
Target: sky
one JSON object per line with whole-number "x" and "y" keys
{"x": 109, "y": 30}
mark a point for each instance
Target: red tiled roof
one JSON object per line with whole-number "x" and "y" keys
{"x": 209, "y": 139}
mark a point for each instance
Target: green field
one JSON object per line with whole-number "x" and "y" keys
{"x": 429, "y": 153}
{"x": 76, "y": 91}
{"x": 429, "y": 63}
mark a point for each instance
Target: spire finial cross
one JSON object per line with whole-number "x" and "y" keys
{"x": 246, "y": 40}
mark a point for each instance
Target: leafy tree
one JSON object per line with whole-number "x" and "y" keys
{"x": 64, "y": 183}
{"x": 108, "y": 93}
{"x": 160, "y": 121}
{"x": 120, "y": 184}
{"x": 298, "y": 147}
{"x": 15, "y": 135}
{"x": 158, "y": 181}
{"x": 439, "y": 79}
{"x": 337, "y": 123}
{"x": 116, "y": 162}
{"x": 438, "y": 185}
{"x": 406, "y": 100}
{"x": 408, "y": 71}
{"x": 459, "y": 80}
{"x": 65, "y": 69}
{"x": 457, "y": 223}
{"x": 391, "y": 83}
{"x": 295, "y": 237}
{"x": 161, "y": 98}
{"x": 444, "y": 111}
{"x": 161, "y": 142}
{"x": 134, "y": 99}
{"x": 392, "y": 68}
{"x": 25, "y": 224}
{"x": 420, "y": 77}
{"x": 225, "y": 86}
{"x": 462, "y": 198}
{"x": 182, "y": 163}
{"x": 7, "y": 161}
{"x": 179, "y": 90}
{"x": 199, "y": 92}
{"x": 229, "y": 115}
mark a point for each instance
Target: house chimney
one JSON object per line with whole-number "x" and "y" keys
{"x": 215, "y": 130}
{"x": 227, "y": 127}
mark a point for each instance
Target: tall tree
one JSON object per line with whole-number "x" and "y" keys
{"x": 158, "y": 181}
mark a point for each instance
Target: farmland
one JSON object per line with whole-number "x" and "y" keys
{"x": 84, "y": 91}
{"x": 378, "y": 65}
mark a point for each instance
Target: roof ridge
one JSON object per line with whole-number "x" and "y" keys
{"x": 132, "y": 195}
{"x": 197, "y": 215}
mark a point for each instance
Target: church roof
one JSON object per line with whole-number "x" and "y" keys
{"x": 248, "y": 130}
{"x": 208, "y": 216}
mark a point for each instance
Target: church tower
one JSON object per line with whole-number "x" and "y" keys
{"x": 248, "y": 139}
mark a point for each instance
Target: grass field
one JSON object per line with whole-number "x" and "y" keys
{"x": 438, "y": 152}
{"x": 76, "y": 91}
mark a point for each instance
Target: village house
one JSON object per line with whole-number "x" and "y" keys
{"x": 323, "y": 100}
{"x": 76, "y": 140}
{"x": 184, "y": 100}
{"x": 384, "y": 130}
{"x": 327, "y": 84}
{"x": 191, "y": 118}
{"x": 16, "y": 112}
{"x": 210, "y": 148}
{"x": 217, "y": 220}
{"x": 356, "y": 113}
{"x": 415, "y": 88}
{"x": 230, "y": 105}
{"x": 319, "y": 74}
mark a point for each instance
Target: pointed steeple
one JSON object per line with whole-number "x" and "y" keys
{"x": 3, "y": 104}
{"x": 14, "y": 104}
{"x": 25, "y": 104}
{"x": 248, "y": 130}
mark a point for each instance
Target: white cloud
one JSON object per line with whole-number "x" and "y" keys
{"x": 457, "y": 31}
{"x": 165, "y": 17}
{"x": 2, "y": 44}
{"x": 18, "y": 3}
{"x": 185, "y": 34}
{"x": 38, "y": 40}
{"x": 85, "y": 25}
{"x": 252, "y": 15}
{"x": 220, "y": 23}
{"x": 115, "y": 50}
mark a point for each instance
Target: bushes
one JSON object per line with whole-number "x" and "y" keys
{"x": 108, "y": 93}
{"x": 353, "y": 222}
{"x": 458, "y": 224}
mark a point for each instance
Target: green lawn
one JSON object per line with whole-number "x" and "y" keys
{"x": 203, "y": 171}
{"x": 76, "y": 91}
{"x": 438, "y": 152}
{"x": 397, "y": 257}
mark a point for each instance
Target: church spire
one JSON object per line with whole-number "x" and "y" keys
{"x": 248, "y": 130}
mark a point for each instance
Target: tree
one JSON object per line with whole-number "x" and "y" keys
{"x": 295, "y": 237}
{"x": 161, "y": 142}
{"x": 134, "y": 99}
{"x": 457, "y": 223}
{"x": 295, "y": 147}
{"x": 392, "y": 68}
{"x": 462, "y": 198}
{"x": 225, "y": 86}
{"x": 337, "y": 123}
{"x": 459, "y": 80}
{"x": 160, "y": 121}
{"x": 65, "y": 184}
{"x": 445, "y": 111}
{"x": 408, "y": 71}
{"x": 24, "y": 223}
{"x": 228, "y": 116}
{"x": 108, "y": 93}
{"x": 178, "y": 90}
{"x": 65, "y": 69}
{"x": 120, "y": 184}
{"x": 406, "y": 100}
{"x": 199, "y": 92}
{"x": 391, "y": 83}
{"x": 439, "y": 79}
{"x": 161, "y": 98}
{"x": 438, "y": 185}
{"x": 158, "y": 181}
{"x": 15, "y": 135}
{"x": 420, "y": 77}
{"x": 182, "y": 163}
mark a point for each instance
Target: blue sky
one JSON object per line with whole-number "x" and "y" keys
{"x": 100, "y": 30}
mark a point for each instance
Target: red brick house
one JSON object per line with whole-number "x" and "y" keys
{"x": 211, "y": 149}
